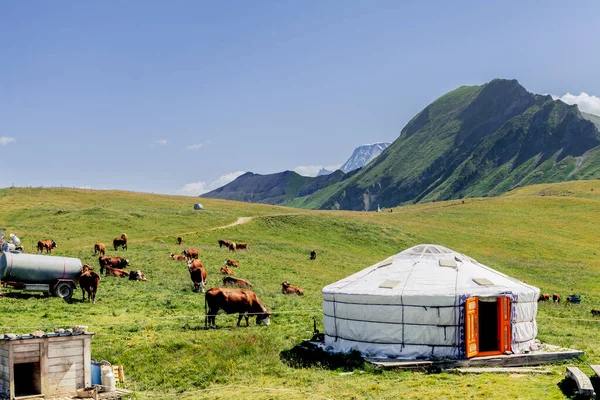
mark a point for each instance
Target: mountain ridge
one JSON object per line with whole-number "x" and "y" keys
{"x": 473, "y": 141}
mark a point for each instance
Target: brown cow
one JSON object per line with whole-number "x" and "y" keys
{"x": 286, "y": 288}
{"x": 137, "y": 276}
{"x": 232, "y": 246}
{"x": 179, "y": 240}
{"x": 231, "y": 301}
{"x": 241, "y": 246}
{"x": 120, "y": 242}
{"x": 89, "y": 281}
{"x": 556, "y": 298}
{"x": 223, "y": 242}
{"x": 226, "y": 271}
{"x": 100, "y": 248}
{"x": 190, "y": 254}
{"x": 544, "y": 297}
{"x": 198, "y": 275}
{"x": 178, "y": 257}
{"x": 313, "y": 255}
{"x": 595, "y": 313}
{"x": 238, "y": 282}
{"x": 232, "y": 263}
{"x": 119, "y": 273}
{"x": 113, "y": 262}
{"x": 48, "y": 245}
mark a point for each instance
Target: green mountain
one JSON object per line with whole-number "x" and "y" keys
{"x": 474, "y": 141}
{"x": 273, "y": 188}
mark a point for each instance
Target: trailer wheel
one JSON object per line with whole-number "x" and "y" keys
{"x": 64, "y": 290}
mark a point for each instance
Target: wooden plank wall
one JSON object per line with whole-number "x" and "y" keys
{"x": 4, "y": 372}
{"x": 65, "y": 366}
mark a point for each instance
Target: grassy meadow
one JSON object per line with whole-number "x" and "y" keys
{"x": 546, "y": 235}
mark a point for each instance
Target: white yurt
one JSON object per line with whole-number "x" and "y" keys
{"x": 429, "y": 302}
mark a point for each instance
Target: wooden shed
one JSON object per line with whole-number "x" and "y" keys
{"x": 44, "y": 365}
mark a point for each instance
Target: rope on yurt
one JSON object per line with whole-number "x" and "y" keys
{"x": 402, "y": 345}
{"x": 335, "y": 322}
{"x": 455, "y": 310}
{"x": 391, "y": 305}
{"x": 405, "y": 344}
{"x": 389, "y": 322}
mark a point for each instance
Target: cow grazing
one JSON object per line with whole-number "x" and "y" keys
{"x": 595, "y": 313}
{"x": 198, "y": 275}
{"x": 113, "y": 262}
{"x": 313, "y": 255}
{"x": 237, "y": 282}
{"x": 120, "y": 242}
{"x": 544, "y": 297}
{"x": 231, "y": 301}
{"x": 100, "y": 248}
{"x": 232, "y": 263}
{"x": 556, "y": 298}
{"x": 241, "y": 246}
{"x": 47, "y": 245}
{"x": 232, "y": 246}
{"x": 178, "y": 257}
{"x": 223, "y": 242}
{"x": 137, "y": 276}
{"x": 89, "y": 281}
{"x": 179, "y": 240}
{"x": 286, "y": 288}
{"x": 190, "y": 254}
{"x": 119, "y": 273}
{"x": 226, "y": 271}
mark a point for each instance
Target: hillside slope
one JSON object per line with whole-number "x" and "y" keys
{"x": 474, "y": 141}
{"x": 273, "y": 188}
{"x": 156, "y": 328}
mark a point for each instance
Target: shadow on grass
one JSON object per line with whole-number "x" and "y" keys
{"x": 569, "y": 388}
{"x": 23, "y": 295}
{"x": 201, "y": 327}
{"x": 307, "y": 355}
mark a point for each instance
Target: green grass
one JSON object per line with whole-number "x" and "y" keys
{"x": 155, "y": 330}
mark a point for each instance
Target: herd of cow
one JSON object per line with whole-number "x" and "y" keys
{"x": 234, "y": 298}
{"x": 229, "y": 300}
{"x": 570, "y": 299}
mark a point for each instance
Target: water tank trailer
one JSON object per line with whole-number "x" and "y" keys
{"x": 39, "y": 273}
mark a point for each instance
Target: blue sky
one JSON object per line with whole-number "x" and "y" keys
{"x": 175, "y": 97}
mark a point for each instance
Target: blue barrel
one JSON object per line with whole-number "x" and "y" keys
{"x": 96, "y": 375}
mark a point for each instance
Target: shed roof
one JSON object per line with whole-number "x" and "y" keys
{"x": 35, "y": 335}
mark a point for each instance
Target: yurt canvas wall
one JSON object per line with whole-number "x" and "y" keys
{"x": 428, "y": 302}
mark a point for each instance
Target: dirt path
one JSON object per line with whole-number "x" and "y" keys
{"x": 241, "y": 220}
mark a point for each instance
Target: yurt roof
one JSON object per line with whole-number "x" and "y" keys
{"x": 427, "y": 274}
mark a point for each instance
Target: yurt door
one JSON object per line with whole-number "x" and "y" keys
{"x": 487, "y": 326}
{"x": 472, "y": 326}
{"x": 504, "y": 331}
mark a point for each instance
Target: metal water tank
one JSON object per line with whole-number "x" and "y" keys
{"x": 35, "y": 268}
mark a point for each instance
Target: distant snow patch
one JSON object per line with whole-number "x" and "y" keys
{"x": 363, "y": 155}
{"x": 586, "y": 103}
